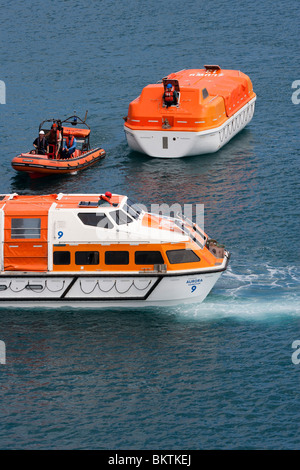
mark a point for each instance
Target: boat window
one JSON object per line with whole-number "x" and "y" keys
{"x": 205, "y": 93}
{"x": 116, "y": 257}
{"x": 148, "y": 257}
{"x": 134, "y": 206}
{"x": 95, "y": 219}
{"x": 61, "y": 257}
{"x": 132, "y": 209}
{"x": 182, "y": 256}
{"x": 25, "y": 228}
{"x": 86, "y": 257}
{"x": 120, "y": 217}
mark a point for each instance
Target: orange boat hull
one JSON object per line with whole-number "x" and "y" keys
{"x": 41, "y": 165}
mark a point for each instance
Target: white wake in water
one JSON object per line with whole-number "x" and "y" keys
{"x": 244, "y": 281}
{"x": 262, "y": 291}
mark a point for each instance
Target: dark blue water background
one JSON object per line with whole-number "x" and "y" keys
{"x": 215, "y": 375}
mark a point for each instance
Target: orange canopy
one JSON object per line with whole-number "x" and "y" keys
{"x": 208, "y": 97}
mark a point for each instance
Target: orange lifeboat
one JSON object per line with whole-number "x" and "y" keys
{"x": 190, "y": 112}
{"x": 102, "y": 250}
{"x": 52, "y": 156}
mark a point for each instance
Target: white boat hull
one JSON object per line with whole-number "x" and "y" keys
{"x": 109, "y": 290}
{"x": 184, "y": 144}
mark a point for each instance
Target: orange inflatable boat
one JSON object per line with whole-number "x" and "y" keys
{"x": 62, "y": 149}
{"x": 190, "y": 112}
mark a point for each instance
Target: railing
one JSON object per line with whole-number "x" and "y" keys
{"x": 185, "y": 229}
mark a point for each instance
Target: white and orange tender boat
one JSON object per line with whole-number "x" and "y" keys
{"x": 206, "y": 108}
{"x": 99, "y": 251}
{"x": 52, "y": 163}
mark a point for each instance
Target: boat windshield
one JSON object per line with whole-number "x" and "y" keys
{"x": 132, "y": 209}
{"x": 120, "y": 217}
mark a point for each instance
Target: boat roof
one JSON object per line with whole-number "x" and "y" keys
{"x": 198, "y": 88}
{"x": 72, "y": 201}
{"x": 62, "y": 201}
{"x": 15, "y": 203}
{"x": 198, "y": 78}
{"x": 147, "y": 226}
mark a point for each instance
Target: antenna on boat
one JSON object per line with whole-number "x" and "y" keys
{"x": 85, "y": 116}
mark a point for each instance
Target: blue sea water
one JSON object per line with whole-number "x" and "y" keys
{"x": 216, "y": 375}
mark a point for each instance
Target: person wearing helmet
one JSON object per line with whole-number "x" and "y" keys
{"x": 105, "y": 199}
{"x": 170, "y": 95}
{"x": 41, "y": 144}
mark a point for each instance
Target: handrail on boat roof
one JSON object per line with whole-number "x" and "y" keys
{"x": 73, "y": 120}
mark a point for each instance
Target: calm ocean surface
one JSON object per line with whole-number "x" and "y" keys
{"x": 217, "y": 375}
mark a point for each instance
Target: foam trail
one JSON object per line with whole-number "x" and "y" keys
{"x": 213, "y": 310}
{"x": 256, "y": 292}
